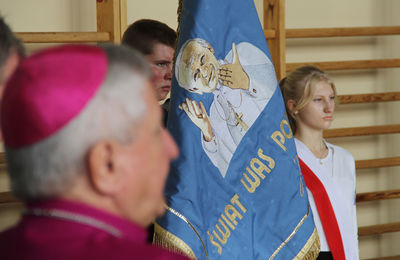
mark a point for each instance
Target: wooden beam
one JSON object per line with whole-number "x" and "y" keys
{"x": 378, "y": 195}
{"x": 2, "y": 158}
{"x": 360, "y": 164}
{"x": 378, "y": 229}
{"x": 274, "y": 20}
{"x": 7, "y": 197}
{"x": 342, "y": 32}
{"x": 108, "y": 13}
{"x": 377, "y": 163}
{"x": 124, "y": 18}
{"x": 395, "y": 257}
{"x": 336, "y": 32}
{"x": 362, "y": 131}
{"x": 63, "y": 37}
{"x": 348, "y": 65}
{"x": 369, "y": 98}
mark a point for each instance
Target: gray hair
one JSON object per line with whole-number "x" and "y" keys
{"x": 50, "y": 167}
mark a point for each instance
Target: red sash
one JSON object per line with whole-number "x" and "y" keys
{"x": 325, "y": 211}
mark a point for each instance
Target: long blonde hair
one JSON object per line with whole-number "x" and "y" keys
{"x": 300, "y": 86}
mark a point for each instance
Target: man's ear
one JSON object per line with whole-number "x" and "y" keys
{"x": 102, "y": 168}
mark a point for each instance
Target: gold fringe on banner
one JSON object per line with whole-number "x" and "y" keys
{"x": 179, "y": 12}
{"x": 311, "y": 250}
{"x": 169, "y": 241}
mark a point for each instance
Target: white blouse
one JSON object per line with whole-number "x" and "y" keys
{"x": 337, "y": 173}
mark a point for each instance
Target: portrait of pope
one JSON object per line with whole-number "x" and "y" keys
{"x": 242, "y": 84}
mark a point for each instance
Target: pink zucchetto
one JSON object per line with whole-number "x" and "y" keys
{"x": 48, "y": 90}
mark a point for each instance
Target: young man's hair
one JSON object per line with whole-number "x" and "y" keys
{"x": 144, "y": 34}
{"x": 8, "y": 44}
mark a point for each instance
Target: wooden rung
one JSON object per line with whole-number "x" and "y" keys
{"x": 347, "y": 65}
{"x": 379, "y": 195}
{"x": 361, "y": 131}
{"x": 341, "y": 32}
{"x": 63, "y": 37}
{"x": 377, "y": 163}
{"x": 7, "y": 197}
{"x": 369, "y": 98}
{"x": 379, "y": 229}
{"x": 360, "y": 164}
{"x": 2, "y": 158}
{"x": 395, "y": 257}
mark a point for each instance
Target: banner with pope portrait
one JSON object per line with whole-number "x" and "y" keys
{"x": 236, "y": 191}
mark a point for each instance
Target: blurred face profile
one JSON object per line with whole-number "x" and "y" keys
{"x": 160, "y": 62}
{"x": 6, "y": 71}
{"x": 198, "y": 69}
{"x": 145, "y": 165}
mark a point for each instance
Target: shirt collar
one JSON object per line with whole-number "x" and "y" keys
{"x": 127, "y": 228}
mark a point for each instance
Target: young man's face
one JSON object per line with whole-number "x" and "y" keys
{"x": 6, "y": 71}
{"x": 198, "y": 71}
{"x": 160, "y": 62}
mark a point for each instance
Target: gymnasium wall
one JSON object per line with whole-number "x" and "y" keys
{"x": 79, "y": 15}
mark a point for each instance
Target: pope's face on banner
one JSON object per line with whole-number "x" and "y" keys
{"x": 198, "y": 68}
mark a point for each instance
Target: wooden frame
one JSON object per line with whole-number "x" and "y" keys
{"x": 108, "y": 13}
{"x": 276, "y": 34}
{"x": 111, "y": 23}
{"x": 274, "y": 25}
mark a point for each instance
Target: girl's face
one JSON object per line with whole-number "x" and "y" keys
{"x": 318, "y": 114}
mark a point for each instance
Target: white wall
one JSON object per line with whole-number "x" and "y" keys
{"x": 164, "y": 11}
{"x": 330, "y": 13}
{"x": 79, "y": 15}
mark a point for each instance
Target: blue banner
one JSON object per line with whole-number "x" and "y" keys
{"x": 236, "y": 191}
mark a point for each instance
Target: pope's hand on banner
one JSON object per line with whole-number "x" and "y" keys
{"x": 233, "y": 75}
{"x": 198, "y": 116}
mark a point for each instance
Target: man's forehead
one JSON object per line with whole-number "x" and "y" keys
{"x": 163, "y": 50}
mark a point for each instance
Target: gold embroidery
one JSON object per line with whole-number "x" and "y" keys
{"x": 172, "y": 242}
{"x": 309, "y": 249}
{"x": 296, "y": 160}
